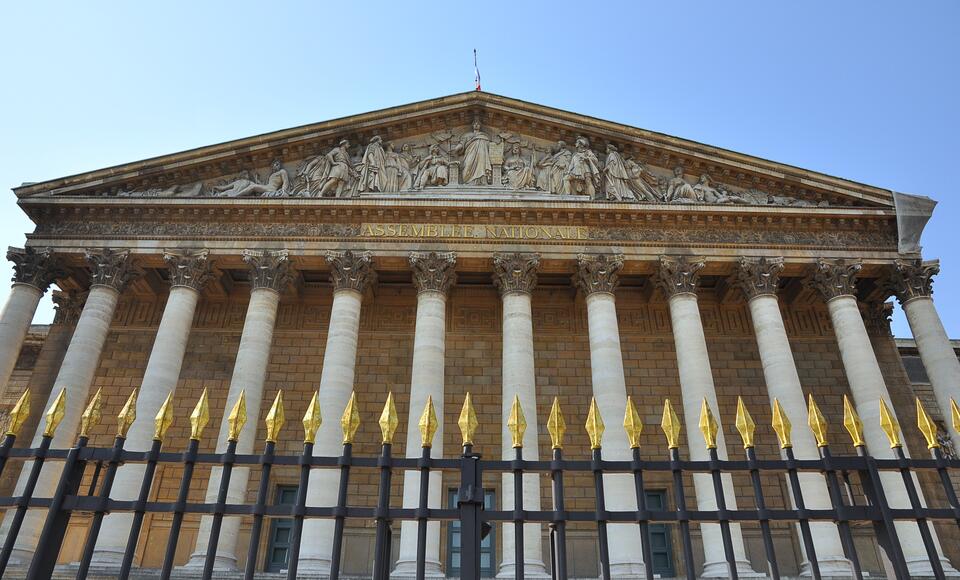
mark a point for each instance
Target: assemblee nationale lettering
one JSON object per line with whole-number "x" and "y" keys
{"x": 514, "y": 232}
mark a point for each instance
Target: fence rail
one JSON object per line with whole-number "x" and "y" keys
{"x": 100, "y": 464}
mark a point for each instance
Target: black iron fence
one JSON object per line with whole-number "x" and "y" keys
{"x": 101, "y": 464}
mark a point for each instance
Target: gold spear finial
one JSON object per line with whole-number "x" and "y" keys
{"x": 632, "y": 424}
{"x": 200, "y": 416}
{"x": 19, "y": 414}
{"x": 556, "y": 425}
{"x": 428, "y": 423}
{"x": 275, "y": 418}
{"x": 745, "y": 424}
{"x": 91, "y": 415}
{"x": 350, "y": 421}
{"x": 55, "y": 413}
{"x": 516, "y": 423}
{"x": 312, "y": 419}
{"x": 782, "y": 425}
{"x": 927, "y": 426}
{"x": 852, "y": 422}
{"x": 238, "y": 417}
{"x": 816, "y": 422}
{"x": 389, "y": 420}
{"x": 128, "y": 414}
{"x": 708, "y": 425}
{"x": 595, "y": 425}
{"x": 468, "y": 421}
{"x": 890, "y": 425}
{"x": 955, "y": 415}
{"x": 670, "y": 425}
{"x": 164, "y": 418}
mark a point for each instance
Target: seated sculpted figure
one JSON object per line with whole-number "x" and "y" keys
{"x": 277, "y": 184}
{"x": 517, "y": 173}
{"x": 433, "y": 170}
{"x": 679, "y": 191}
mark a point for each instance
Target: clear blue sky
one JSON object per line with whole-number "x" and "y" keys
{"x": 862, "y": 90}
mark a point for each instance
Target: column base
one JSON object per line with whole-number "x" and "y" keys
{"x": 313, "y": 567}
{"x": 107, "y": 558}
{"x": 221, "y": 561}
{"x": 718, "y": 569}
{"x": 921, "y": 568}
{"x": 408, "y": 569}
{"x": 531, "y": 569}
{"x": 830, "y": 568}
{"x": 628, "y": 570}
{"x": 20, "y": 558}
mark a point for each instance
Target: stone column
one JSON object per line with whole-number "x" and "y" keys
{"x": 350, "y": 273}
{"x": 433, "y": 275}
{"x": 33, "y": 272}
{"x": 597, "y": 278}
{"x": 515, "y": 275}
{"x": 912, "y": 283}
{"x": 111, "y": 271}
{"x": 678, "y": 278}
{"x": 835, "y": 280}
{"x": 188, "y": 274}
{"x": 270, "y": 274}
{"x": 758, "y": 279}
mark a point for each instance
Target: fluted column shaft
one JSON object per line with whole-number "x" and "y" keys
{"x": 516, "y": 277}
{"x": 597, "y": 279}
{"x": 350, "y": 273}
{"x": 433, "y": 275}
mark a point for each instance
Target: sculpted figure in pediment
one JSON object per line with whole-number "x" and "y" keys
{"x": 679, "y": 191}
{"x": 434, "y": 169}
{"x": 476, "y": 168}
{"x": 517, "y": 173}
{"x": 399, "y": 168}
{"x": 707, "y": 193}
{"x": 618, "y": 182}
{"x": 583, "y": 174}
{"x": 373, "y": 169}
{"x": 331, "y": 175}
{"x": 643, "y": 183}
{"x": 551, "y": 169}
{"x": 277, "y": 185}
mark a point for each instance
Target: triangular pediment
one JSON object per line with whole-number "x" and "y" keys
{"x": 472, "y": 145}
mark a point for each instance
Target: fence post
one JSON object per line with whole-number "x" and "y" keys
{"x": 470, "y": 503}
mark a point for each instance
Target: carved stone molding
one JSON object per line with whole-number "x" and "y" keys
{"x": 68, "y": 306}
{"x": 515, "y": 272}
{"x": 190, "y": 269}
{"x": 834, "y": 278}
{"x": 679, "y": 275}
{"x": 433, "y": 271}
{"x": 911, "y": 279}
{"x": 351, "y": 270}
{"x": 269, "y": 269}
{"x": 876, "y": 317}
{"x": 112, "y": 268}
{"x": 598, "y": 273}
{"x": 759, "y": 276}
{"x": 38, "y": 268}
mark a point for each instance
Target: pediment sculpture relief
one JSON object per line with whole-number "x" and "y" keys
{"x": 473, "y": 161}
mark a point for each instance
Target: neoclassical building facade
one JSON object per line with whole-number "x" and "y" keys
{"x": 473, "y": 243}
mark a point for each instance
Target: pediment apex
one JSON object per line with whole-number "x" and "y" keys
{"x": 651, "y": 160}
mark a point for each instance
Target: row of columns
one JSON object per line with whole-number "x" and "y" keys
{"x": 515, "y": 275}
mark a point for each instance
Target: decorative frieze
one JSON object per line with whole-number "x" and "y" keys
{"x": 759, "y": 276}
{"x": 834, "y": 278}
{"x": 37, "y": 268}
{"x": 515, "y": 272}
{"x": 68, "y": 306}
{"x": 433, "y": 271}
{"x": 269, "y": 269}
{"x": 598, "y": 273}
{"x": 679, "y": 274}
{"x": 190, "y": 269}
{"x": 911, "y": 279}
{"x": 351, "y": 270}
{"x": 112, "y": 268}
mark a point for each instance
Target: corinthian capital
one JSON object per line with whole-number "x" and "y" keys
{"x": 679, "y": 275}
{"x": 515, "y": 272}
{"x": 876, "y": 317}
{"x": 68, "y": 306}
{"x": 351, "y": 270}
{"x": 835, "y": 278}
{"x": 38, "y": 268}
{"x": 190, "y": 269}
{"x": 912, "y": 279}
{"x": 759, "y": 276}
{"x": 432, "y": 271}
{"x": 268, "y": 269}
{"x": 598, "y": 273}
{"x": 112, "y": 268}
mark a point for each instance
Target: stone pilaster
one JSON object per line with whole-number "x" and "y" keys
{"x": 515, "y": 273}
{"x": 433, "y": 275}
{"x": 678, "y": 277}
